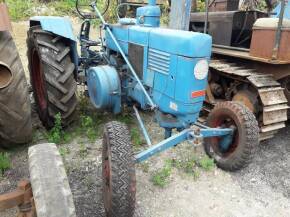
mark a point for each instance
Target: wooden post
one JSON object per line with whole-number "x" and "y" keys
{"x": 180, "y": 14}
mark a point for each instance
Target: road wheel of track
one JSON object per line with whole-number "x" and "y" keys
{"x": 245, "y": 139}
{"x": 119, "y": 179}
{"x": 51, "y": 191}
{"x": 52, "y": 76}
{"x": 15, "y": 111}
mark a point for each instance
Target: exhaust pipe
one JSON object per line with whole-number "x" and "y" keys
{"x": 152, "y": 2}
{"x": 5, "y": 75}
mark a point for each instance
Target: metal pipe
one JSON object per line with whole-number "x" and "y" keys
{"x": 5, "y": 75}
{"x": 164, "y": 145}
{"x": 144, "y": 131}
{"x": 152, "y": 2}
{"x": 279, "y": 30}
{"x": 106, "y": 27}
{"x": 206, "y": 16}
{"x": 231, "y": 48}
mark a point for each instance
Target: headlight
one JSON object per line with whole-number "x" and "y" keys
{"x": 201, "y": 69}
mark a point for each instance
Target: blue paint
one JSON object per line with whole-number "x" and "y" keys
{"x": 185, "y": 135}
{"x": 170, "y": 58}
{"x": 144, "y": 131}
{"x": 278, "y": 9}
{"x": 59, "y": 26}
{"x": 104, "y": 88}
{"x": 149, "y": 16}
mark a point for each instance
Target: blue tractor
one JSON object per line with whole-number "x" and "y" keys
{"x": 147, "y": 67}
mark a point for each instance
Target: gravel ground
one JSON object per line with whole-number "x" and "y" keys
{"x": 261, "y": 190}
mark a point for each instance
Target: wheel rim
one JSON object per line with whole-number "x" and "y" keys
{"x": 107, "y": 178}
{"x": 225, "y": 121}
{"x": 38, "y": 81}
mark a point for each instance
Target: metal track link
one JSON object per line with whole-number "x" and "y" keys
{"x": 271, "y": 94}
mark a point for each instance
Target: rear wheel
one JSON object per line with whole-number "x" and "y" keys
{"x": 245, "y": 140}
{"x": 15, "y": 111}
{"x": 52, "y": 76}
{"x": 51, "y": 191}
{"x": 119, "y": 179}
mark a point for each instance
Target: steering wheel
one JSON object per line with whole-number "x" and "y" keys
{"x": 86, "y": 11}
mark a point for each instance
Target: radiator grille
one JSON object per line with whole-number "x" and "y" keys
{"x": 159, "y": 61}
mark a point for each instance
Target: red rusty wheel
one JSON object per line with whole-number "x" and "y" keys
{"x": 245, "y": 140}
{"x": 38, "y": 83}
{"x": 119, "y": 178}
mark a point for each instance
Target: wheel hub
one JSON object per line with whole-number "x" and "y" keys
{"x": 247, "y": 98}
{"x": 5, "y": 75}
{"x": 225, "y": 145}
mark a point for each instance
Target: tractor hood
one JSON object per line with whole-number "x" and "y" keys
{"x": 188, "y": 44}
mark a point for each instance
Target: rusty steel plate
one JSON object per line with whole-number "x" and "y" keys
{"x": 263, "y": 81}
{"x": 275, "y": 114}
{"x": 5, "y": 23}
{"x": 272, "y": 96}
{"x": 245, "y": 55}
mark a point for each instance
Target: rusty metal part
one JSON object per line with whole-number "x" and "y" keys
{"x": 5, "y": 75}
{"x": 5, "y": 24}
{"x": 248, "y": 98}
{"x": 223, "y": 5}
{"x": 264, "y": 48}
{"x": 216, "y": 89}
{"x": 245, "y": 54}
{"x": 286, "y": 85}
{"x": 271, "y": 109}
{"x": 21, "y": 197}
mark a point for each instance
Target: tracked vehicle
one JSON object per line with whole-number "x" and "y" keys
{"x": 251, "y": 61}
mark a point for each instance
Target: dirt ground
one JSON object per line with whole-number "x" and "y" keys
{"x": 261, "y": 190}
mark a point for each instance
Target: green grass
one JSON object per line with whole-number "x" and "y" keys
{"x": 161, "y": 177}
{"x": 4, "y": 162}
{"x": 64, "y": 151}
{"x": 206, "y": 163}
{"x": 21, "y": 9}
{"x": 136, "y": 137}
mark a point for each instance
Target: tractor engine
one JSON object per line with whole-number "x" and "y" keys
{"x": 172, "y": 65}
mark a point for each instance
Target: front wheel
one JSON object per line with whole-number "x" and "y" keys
{"x": 245, "y": 139}
{"x": 119, "y": 178}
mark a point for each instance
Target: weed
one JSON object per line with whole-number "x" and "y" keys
{"x": 145, "y": 167}
{"x": 136, "y": 138}
{"x": 4, "y": 162}
{"x": 125, "y": 118}
{"x": 83, "y": 150}
{"x": 161, "y": 177}
{"x": 206, "y": 163}
{"x": 55, "y": 134}
{"x": 38, "y": 135}
{"x": 64, "y": 151}
{"x": 191, "y": 164}
{"x": 19, "y": 9}
{"x": 89, "y": 127}
{"x": 196, "y": 174}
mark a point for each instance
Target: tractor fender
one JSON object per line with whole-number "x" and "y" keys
{"x": 60, "y": 26}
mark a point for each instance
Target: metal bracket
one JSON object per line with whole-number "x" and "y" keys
{"x": 21, "y": 197}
